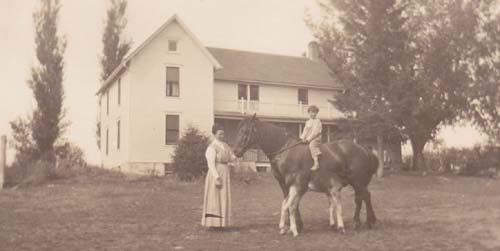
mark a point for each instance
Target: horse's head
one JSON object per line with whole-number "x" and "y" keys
{"x": 246, "y": 135}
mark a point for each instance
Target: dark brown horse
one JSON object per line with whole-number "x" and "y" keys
{"x": 342, "y": 163}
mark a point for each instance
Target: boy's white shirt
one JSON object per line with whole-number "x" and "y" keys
{"x": 311, "y": 129}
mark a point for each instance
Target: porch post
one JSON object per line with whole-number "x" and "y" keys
{"x": 328, "y": 131}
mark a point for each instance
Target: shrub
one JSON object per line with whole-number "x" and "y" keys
{"x": 189, "y": 160}
{"x": 471, "y": 161}
{"x": 70, "y": 161}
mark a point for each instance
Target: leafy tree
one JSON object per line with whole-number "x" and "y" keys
{"x": 189, "y": 160}
{"x": 485, "y": 110}
{"x": 406, "y": 63}
{"x": 46, "y": 80}
{"x": 361, "y": 41}
{"x": 115, "y": 46}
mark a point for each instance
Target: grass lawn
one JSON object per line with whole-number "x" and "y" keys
{"x": 110, "y": 212}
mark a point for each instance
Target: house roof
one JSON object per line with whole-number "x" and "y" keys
{"x": 123, "y": 65}
{"x": 272, "y": 69}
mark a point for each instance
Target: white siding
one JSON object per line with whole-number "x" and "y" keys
{"x": 116, "y": 157}
{"x": 275, "y": 100}
{"x": 149, "y": 104}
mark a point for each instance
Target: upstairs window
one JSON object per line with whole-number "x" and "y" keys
{"x": 107, "y": 102}
{"x": 118, "y": 135}
{"x": 242, "y": 92}
{"x": 254, "y": 92}
{"x": 303, "y": 96}
{"x": 171, "y": 129}
{"x": 172, "y": 82}
{"x": 172, "y": 46}
{"x": 119, "y": 91}
{"x": 107, "y": 141}
{"x": 248, "y": 92}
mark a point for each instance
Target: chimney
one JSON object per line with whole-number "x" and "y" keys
{"x": 313, "y": 51}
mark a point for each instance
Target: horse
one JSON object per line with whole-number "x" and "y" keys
{"x": 341, "y": 163}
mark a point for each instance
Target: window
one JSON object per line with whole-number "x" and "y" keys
{"x": 118, "y": 135}
{"x": 172, "y": 45}
{"x": 303, "y": 96}
{"x": 119, "y": 90}
{"x": 172, "y": 85}
{"x": 242, "y": 92}
{"x": 107, "y": 102}
{"x": 107, "y": 141}
{"x": 245, "y": 90}
{"x": 172, "y": 129}
{"x": 254, "y": 92}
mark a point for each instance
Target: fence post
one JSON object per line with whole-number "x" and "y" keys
{"x": 3, "y": 158}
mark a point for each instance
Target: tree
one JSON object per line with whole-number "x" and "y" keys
{"x": 115, "y": 46}
{"x": 361, "y": 41}
{"x": 189, "y": 157}
{"x": 46, "y": 80}
{"x": 485, "y": 110}
{"x": 413, "y": 70}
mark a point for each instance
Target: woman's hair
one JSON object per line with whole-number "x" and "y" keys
{"x": 313, "y": 108}
{"x": 216, "y": 128}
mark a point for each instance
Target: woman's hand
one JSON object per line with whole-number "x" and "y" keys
{"x": 218, "y": 182}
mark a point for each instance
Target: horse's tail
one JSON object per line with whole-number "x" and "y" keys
{"x": 374, "y": 162}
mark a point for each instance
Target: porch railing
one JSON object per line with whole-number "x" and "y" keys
{"x": 299, "y": 110}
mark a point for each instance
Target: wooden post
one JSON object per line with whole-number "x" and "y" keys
{"x": 3, "y": 158}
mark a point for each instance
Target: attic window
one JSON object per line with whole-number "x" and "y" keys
{"x": 172, "y": 46}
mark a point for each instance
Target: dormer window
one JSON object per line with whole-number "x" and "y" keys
{"x": 173, "y": 46}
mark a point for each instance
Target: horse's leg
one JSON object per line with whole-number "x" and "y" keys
{"x": 300, "y": 223}
{"x": 358, "y": 200}
{"x": 370, "y": 214}
{"x": 284, "y": 219}
{"x": 335, "y": 193}
{"x": 292, "y": 204}
{"x": 332, "y": 211}
{"x": 284, "y": 216}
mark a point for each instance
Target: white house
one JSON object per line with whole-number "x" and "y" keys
{"x": 172, "y": 81}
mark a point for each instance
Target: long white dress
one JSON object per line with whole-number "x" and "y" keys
{"x": 217, "y": 200}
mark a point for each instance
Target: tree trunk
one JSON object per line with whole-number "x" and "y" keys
{"x": 3, "y": 158}
{"x": 380, "y": 151}
{"x": 418, "y": 161}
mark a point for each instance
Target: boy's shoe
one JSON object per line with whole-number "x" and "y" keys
{"x": 315, "y": 167}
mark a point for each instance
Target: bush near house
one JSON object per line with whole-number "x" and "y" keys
{"x": 476, "y": 161}
{"x": 189, "y": 160}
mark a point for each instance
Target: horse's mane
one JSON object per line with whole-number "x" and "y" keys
{"x": 287, "y": 134}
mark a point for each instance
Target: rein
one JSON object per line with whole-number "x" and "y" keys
{"x": 290, "y": 147}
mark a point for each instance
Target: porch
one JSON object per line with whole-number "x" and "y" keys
{"x": 272, "y": 109}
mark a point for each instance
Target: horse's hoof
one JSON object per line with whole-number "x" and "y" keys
{"x": 283, "y": 231}
{"x": 341, "y": 230}
{"x": 295, "y": 234}
{"x": 333, "y": 227}
{"x": 357, "y": 225}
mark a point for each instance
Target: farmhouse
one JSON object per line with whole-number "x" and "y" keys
{"x": 171, "y": 81}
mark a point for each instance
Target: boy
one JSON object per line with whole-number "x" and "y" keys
{"x": 312, "y": 134}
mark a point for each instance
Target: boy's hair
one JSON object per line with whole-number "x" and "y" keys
{"x": 217, "y": 127}
{"x": 313, "y": 108}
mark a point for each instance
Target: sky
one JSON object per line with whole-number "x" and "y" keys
{"x": 274, "y": 26}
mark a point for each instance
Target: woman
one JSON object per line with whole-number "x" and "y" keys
{"x": 217, "y": 198}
